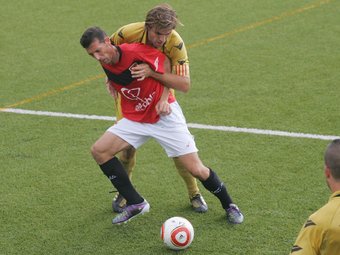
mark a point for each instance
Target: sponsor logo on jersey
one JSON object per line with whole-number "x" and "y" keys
{"x": 133, "y": 95}
{"x": 143, "y": 104}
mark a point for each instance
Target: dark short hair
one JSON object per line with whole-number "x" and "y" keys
{"x": 90, "y": 35}
{"x": 332, "y": 158}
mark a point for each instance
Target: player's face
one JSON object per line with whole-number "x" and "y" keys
{"x": 157, "y": 37}
{"x": 101, "y": 51}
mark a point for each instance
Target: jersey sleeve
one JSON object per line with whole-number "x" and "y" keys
{"x": 131, "y": 33}
{"x": 309, "y": 240}
{"x": 153, "y": 57}
{"x": 116, "y": 39}
{"x": 178, "y": 56}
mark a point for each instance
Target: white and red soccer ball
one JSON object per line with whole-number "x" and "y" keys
{"x": 177, "y": 233}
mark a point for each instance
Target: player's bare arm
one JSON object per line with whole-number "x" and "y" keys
{"x": 163, "y": 106}
{"x": 111, "y": 89}
{"x": 170, "y": 80}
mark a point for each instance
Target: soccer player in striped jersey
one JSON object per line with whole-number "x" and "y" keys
{"x": 158, "y": 31}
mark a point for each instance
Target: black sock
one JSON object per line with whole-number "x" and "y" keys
{"x": 114, "y": 170}
{"x": 215, "y": 186}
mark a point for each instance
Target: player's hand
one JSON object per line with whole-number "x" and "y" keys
{"x": 111, "y": 89}
{"x": 163, "y": 108}
{"x": 141, "y": 71}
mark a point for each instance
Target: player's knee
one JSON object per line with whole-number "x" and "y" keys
{"x": 128, "y": 154}
{"x": 94, "y": 151}
{"x": 97, "y": 153}
{"x": 200, "y": 172}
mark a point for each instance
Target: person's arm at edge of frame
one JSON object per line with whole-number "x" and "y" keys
{"x": 163, "y": 106}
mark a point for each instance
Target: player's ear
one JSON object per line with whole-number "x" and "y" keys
{"x": 107, "y": 40}
{"x": 148, "y": 27}
{"x": 327, "y": 172}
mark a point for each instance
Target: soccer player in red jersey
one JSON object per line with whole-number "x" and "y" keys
{"x": 149, "y": 111}
{"x": 158, "y": 31}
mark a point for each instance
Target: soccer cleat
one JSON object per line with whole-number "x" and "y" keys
{"x": 118, "y": 203}
{"x": 234, "y": 215}
{"x": 131, "y": 211}
{"x": 198, "y": 203}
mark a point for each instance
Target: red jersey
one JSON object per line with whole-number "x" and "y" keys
{"x": 138, "y": 98}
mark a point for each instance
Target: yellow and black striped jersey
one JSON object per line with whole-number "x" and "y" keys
{"x": 174, "y": 47}
{"x": 320, "y": 235}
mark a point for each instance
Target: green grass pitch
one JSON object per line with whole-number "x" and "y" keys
{"x": 271, "y": 65}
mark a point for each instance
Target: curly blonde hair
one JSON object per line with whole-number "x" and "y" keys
{"x": 162, "y": 16}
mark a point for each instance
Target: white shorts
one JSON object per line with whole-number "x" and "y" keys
{"x": 171, "y": 132}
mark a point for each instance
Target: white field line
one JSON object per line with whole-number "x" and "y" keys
{"x": 263, "y": 132}
{"x": 59, "y": 114}
{"x": 190, "y": 125}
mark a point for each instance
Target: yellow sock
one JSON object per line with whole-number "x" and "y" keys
{"x": 188, "y": 179}
{"x": 128, "y": 159}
